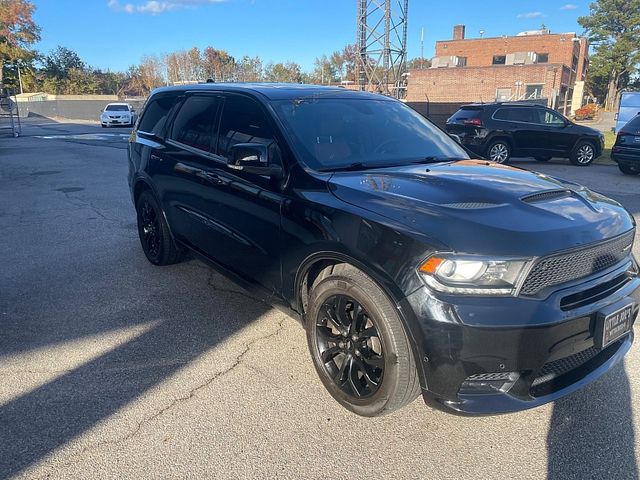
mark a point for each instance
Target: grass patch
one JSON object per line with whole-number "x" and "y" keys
{"x": 609, "y": 140}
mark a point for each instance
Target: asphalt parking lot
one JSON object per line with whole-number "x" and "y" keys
{"x": 113, "y": 368}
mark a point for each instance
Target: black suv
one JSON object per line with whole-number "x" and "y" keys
{"x": 412, "y": 267}
{"x": 626, "y": 150}
{"x": 499, "y": 131}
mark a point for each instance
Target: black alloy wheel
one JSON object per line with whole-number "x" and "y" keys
{"x": 350, "y": 346}
{"x": 156, "y": 240}
{"x": 150, "y": 229}
{"x": 358, "y": 343}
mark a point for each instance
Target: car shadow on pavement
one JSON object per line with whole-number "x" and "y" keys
{"x": 591, "y": 432}
{"x": 183, "y": 328}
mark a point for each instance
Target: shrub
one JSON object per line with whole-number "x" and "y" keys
{"x": 587, "y": 112}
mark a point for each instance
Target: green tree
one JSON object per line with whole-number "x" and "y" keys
{"x": 289, "y": 72}
{"x": 18, "y": 32}
{"x": 59, "y": 63}
{"x": 613, "y": 26}
{"x": 418, "y": 63}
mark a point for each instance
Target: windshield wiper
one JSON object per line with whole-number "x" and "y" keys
{"x": 368, "y": 166}
{"x": 355, "y": 167}
{"x": 432, "y": 159}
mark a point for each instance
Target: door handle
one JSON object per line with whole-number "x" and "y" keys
{"x": 156, "y": 158}
{"x": 210, "y": 177}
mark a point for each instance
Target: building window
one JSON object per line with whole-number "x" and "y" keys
{"x": 499, "y": 59}
{"x": 503, "y": 94}
{"x": 574, "y": 63}
{"x": 543, "y": 58}
{"x": 534, "y": 90}
{"x": 462, "y": 62}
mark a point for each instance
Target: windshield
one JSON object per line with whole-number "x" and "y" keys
{"x": 116, "y": 108}
{"x": 334, "y": 133}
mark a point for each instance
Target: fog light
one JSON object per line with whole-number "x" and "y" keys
{"x": 495, "y": 382}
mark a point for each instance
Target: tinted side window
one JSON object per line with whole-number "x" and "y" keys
{"x": 243, "y": 121}
{"x": 194, "y": 123}
{"x": 523, "y": 115}
{"x": 155, "y": 114}
{"x": 502, "y": 114}
{"x": 550, "y": 118}
{"x": 633, "y": 124}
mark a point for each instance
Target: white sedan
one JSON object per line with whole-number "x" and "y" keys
{"x": 118, "y": 114}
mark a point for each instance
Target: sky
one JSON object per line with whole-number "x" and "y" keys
{"x": 114, "y": 34}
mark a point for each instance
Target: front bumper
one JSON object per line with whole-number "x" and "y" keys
{"x": 115, "y": 121}
{"x": 461, "y": 337}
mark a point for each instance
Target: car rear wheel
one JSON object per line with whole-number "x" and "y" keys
{"x": 583, "y": 154}
{"x": 358, "y": 344}
{"x": 155, "y": 238}
{"x": 499, "y": 151}
{"x": 627, "y": 170}
{"x": 542, "y": 159}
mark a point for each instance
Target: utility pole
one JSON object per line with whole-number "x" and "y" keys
{"x": 382, "y": 46}
{"x": 422, "y": 48}
{"x": 19, "y": 77}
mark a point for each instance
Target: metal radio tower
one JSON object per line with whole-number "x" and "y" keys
{"x": 382, "y": 46}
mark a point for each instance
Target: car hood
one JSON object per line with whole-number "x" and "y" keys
{"x": 475, "y": 206}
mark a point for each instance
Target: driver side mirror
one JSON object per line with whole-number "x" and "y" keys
{"x": 252, "y": 158}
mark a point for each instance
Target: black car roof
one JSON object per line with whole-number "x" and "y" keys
{"x": 504, "y": 104}
{"x": 274, "y": 91}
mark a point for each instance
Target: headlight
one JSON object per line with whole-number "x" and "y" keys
{"x": 472, "y": 275}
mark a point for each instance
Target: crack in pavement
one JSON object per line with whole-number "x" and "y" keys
{"x": 178, "y": 400}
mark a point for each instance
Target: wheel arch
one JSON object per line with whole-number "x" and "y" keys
{"x": 141, "y": 185}
{"x": 311, "y": 267}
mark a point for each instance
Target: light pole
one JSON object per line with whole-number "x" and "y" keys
{"x": 19, "y": 76}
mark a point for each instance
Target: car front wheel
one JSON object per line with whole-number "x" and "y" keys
{"x": 583, "y": 154}
{"x": 358, "y": 343}
{"x": 499, "y": 151}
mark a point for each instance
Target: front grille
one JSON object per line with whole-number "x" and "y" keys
{"x": 559, "y": 367}
{"x": 576, "y": 264}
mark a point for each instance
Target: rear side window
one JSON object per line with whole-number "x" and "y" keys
{"x": 633, "y": 125}
{"x": 243, "y": 121}
{"x": 527, "y": 115}
{"x": 155, "y": 114}
{"x": 466, "y": 113}
{"x": 194, "y": 123}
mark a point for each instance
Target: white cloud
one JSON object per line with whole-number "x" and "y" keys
{"x": 531, "y": 15}
{"x": 569, "y": 6}
{"x": 157, "y": 6}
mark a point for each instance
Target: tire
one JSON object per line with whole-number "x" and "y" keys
{"x": 583, "y": 154}
{"x": 542, "y": 159}
{"x": 376, "y": 342}
{"x": 627, "y": 170}
{"x": 156, "y": 240}
{"x": 499, "y": 151}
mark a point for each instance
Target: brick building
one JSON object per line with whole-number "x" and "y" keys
{"x": 532, "y": 65}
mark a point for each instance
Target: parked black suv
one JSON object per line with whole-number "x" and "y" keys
{"x": 626, "y": 150}
{"x": 499, "y": 131}
{"x": 412, "y": 267}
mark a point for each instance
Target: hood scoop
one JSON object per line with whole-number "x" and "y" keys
{"x": 546, "y": 195}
